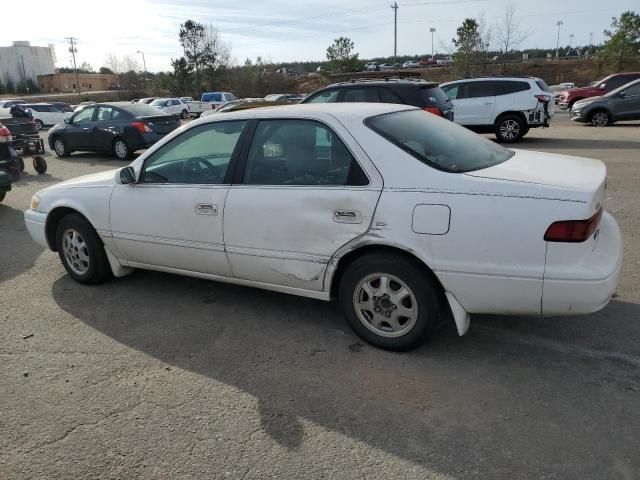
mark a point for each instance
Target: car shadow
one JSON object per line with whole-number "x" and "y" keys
{"x": 15, "y": 238}
{"x": 28, "y": 178}
{"x": 514, "y": 394}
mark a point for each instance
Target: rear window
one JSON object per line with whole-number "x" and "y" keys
{"x": 439, "y": 143}
{"x": 142, "y": 110}
{"x": 433, "y": 95}
{"x": 211, "y": 97}
{"x": 506, "y": 87}
{"x": 543, "y": 86}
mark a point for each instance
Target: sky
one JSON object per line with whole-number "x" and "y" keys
{"x": 288, "y": 30}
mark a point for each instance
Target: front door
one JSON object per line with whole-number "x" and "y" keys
{"x": 628, "y": 106}
{"x": 172, "y": 217}
{"x": 302, "y": 195}
{"x": 78, "y": 133}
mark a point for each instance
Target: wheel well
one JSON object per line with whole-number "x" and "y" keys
{"x": 517, "y": 114}
{"x": 51, "y": 225}
{"x": 346, "y": 260}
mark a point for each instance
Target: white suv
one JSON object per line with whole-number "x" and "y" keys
{"x": 506, "y": 106}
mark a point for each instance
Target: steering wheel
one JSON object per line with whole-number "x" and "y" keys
{"x": 198, "y": 167}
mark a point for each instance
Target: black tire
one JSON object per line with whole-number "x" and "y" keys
{"x": 2, "y": 195}
{"x": 427, "y": 297}
{"x": 98, "y": 269}
{"x": 184, "y": 114}
{"x": 600, "y": 118}
{"x": 21, "y": 163}
{"x": 509, "y": 128}
{"x": 121, "y": 149}
{"x": 60, "y": 147}
{"x": 39, "y": 164}
{"x": 39, "y": 124}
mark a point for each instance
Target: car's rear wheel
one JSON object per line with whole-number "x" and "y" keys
{"x": 2, "y": 195}
{"x": 509, "y": 128}
{"x": 389, "y": 301}
{"x": 21, "y": 163}
{"x": 600, "y": 118}
{"x": 39, "y": 124}
{"x": 60, "y": 147}
{"x": 184, "y": 114}
{"x": 81, "y": 250}
{"x": 121, "y": 150}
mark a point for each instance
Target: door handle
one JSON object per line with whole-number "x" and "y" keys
{"x": 347, "y": 216}
{"x": 206, "y": 209}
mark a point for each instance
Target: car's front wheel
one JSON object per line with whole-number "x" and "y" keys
{"x": 39, "y": 124}
{"x": 509, "y": 128}
{"x": 121, "y": 150}
{"x": 389, "y": 301}
{"x": 81, "y": 250}
{"x": 60, "y": 147}
{"x": 600, "y": 118}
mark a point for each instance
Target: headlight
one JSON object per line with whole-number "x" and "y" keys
{"x": 35, "y": 202}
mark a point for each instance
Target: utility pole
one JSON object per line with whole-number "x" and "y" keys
{"x": 73, "y": 51}
{"x": 432, "y": 30}
{"x": 395, "y": 33}
{"x": 559, "y": 23}
{"x": 591, "y": 38}
{"x": 571, "y": 35}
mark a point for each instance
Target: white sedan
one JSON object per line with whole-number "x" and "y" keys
{"x": 172, "y": 106}
{"x": 400, "y": 215}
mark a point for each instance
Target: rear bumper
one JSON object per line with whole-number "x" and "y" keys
{"x": 587, "y": 286}
{"x": 35, "y": 223}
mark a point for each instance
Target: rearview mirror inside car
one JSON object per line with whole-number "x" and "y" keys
{"x": 127, "y": 175}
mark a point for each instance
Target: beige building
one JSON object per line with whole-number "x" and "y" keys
{"x": 67, "y": 83}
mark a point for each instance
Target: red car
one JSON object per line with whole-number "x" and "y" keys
{"x": 607, "y": 84}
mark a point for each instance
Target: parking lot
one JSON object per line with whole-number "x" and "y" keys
{"x": 160, "y": 376}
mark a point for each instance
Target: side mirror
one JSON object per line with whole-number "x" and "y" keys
{"x": 602, "y": 86}
{"x": 127, "y": 176}
{"x": 67, "y": 120}
{"x": 622, "y": 94}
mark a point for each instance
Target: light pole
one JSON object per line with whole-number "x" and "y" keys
{"x": 432, "y": 30}
{"x": 559, "y": 23}
{"x": 395, "y": 33}
{"x": 144, "y": 63}
{"x": 571, "y": 35}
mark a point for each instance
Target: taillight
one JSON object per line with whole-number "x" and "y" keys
{"x": 543, "y": 98}
{"x": 141, "y": 127}
{"x": 434, "y": 110}
{"x": 5, "y": 134}
{"x": 573, "y": 231}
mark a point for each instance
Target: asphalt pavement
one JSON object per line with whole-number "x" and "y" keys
{"x": 160, "y": 376}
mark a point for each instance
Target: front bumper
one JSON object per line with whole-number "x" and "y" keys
{"x": 578, "y": 116}
{"x": 36, "y": 223}
{"x": 581, "y": 278}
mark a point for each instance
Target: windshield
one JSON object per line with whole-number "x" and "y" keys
{"x": 437, "y": 142}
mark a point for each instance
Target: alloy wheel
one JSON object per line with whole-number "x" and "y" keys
{"x": 58, "y": 146}
{"x": 600, "y": 119}
{"x": 75, "y": 251}
{"x": 509, "y": 129}
{"x": 385, "y": 305}
{"x": 121, "y": 149}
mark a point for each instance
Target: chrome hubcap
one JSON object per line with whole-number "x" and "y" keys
{"x": 509, "y": 129}
{"x": 58, "y": 146}
{"x": 600, "y": 119}
{"x": 121, "y": 149}
{"x": 385, "y": 305}
{"x": 75, "y": 251}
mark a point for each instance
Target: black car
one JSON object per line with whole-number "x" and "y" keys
{"x": 620, "y": 104}
{"x": 121, "y": 128}
{"x": 419, "y": 93}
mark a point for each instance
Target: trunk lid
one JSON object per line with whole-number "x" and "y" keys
{"x": 162, "y": 124}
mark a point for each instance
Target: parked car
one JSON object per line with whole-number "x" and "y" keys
{"x": 120, "y": 128}
{"x": 186, "y": 99}
{"x": 64, "y": 106}
{"x": 410, "y": 218}
{"x": 147, "y": 100}
{"x": 10, "y": 103}
{"x": 419, "y": 93}
{"x": 505, "y": 106}
{"x": 243, "y": 104}
{"x": 620, "y": 104}
{"x": 172, "y": 106}
{"x": 211, "y": 101}
{"x": 386, "y": 66}
{"x": 412, "y": 64}
{"x": 371, "y": 67}
{"x": 45, "y": 114}
{"x": 606, "y": 85}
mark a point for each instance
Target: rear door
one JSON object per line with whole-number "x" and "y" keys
{"x": 103, "y": 131}
{"x": 301, "y": 194}
{"x": 78, "y": 133}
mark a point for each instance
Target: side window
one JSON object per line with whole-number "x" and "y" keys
{"x": 389, "y": 96}
{"x": 452, "y": 91}
{"x": 300, "y": 152}
{"x": 479, "y": 89}
{"x": 104, "y": 114}
{"x": 615, "y": 82}
{"x": 117, "y": 114}
{"x": 201, "y": 155}
{"x": 507, "y": 87}
{"x": 633, "y": 91}
{"x": 367, "y": 94}
{"x": 84, "y": 116}
{"x": 326, "y": 96}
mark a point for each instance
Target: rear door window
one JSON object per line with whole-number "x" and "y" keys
{"x": 366, "y": 94}
{"x": 325, "y": 96}
{"x": 506, "y": 87}
{"x": 389, "y": 96}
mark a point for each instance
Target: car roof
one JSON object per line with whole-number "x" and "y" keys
{"x": 491, "y": 78}
{"x": 383, "y": 81}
